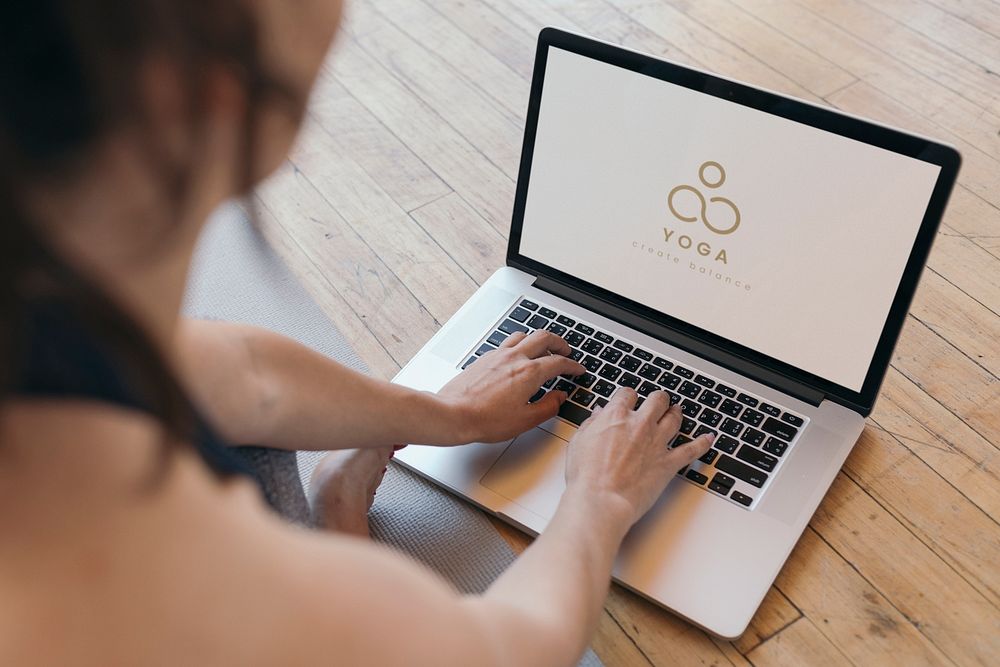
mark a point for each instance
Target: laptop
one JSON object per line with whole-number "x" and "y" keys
{"x": 751, "y": 254}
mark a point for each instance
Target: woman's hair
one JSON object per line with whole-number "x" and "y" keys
{"x": 70, "y": 76}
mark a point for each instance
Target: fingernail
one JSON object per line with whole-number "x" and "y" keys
{"x": 396, "y": 448}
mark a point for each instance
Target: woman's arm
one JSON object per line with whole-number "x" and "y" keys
{"x": 258, "y": 387}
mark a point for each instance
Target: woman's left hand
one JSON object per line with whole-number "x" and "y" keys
{"x": 490, "y": 397}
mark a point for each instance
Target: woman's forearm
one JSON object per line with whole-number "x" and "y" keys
{"x": 264, "y": 389}
{"x": 557, "y": 587}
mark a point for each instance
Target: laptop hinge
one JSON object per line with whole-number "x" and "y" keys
{"x": 673, "y": 337}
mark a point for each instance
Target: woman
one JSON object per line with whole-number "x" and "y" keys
{"x": 130, "y": 533}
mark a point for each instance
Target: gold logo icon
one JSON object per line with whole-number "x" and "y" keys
{"x": 721, "y": 178}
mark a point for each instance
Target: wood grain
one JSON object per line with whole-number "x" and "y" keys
{"x": 396, "y": 204}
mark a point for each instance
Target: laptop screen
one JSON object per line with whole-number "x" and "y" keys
{"x": 773, "y": 234}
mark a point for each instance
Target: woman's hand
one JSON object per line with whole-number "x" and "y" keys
{"x": 620, "y": 455}
{"x": 490, "y": 397}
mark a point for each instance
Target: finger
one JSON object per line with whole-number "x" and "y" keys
{"x": 548, "y": 405}
{"x": 670, "y": 423}
{"x": 553, "y": 365}
{"x": 687, "y": 453}
{"x": 513, "y": 339}
{"x": 654, "y": 407}
{"x": 623, "y": 399}
{"x": 540, "y": 343}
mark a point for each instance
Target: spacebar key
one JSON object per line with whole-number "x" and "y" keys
{"x": 573, "y": 412}
{"x": 741, "y": 470}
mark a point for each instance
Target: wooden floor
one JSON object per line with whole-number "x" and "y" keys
{"x": 397, "y": 204}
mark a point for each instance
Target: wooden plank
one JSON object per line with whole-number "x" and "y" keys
{"x": 468, "y": 239}
{"x": 851, "y": 613}
{"x": 887, "y": 31}
{"x": 495, "y": 132}
{"x": 955, "y": 381}
{"x": 420, "y": 264}
{"x": 799, "y": 644}
{"x": 775, "y": 614}
{"x": 457, "y": 162}
{"x": 923, "y": 592}
{"x": 397, "y": 170}
{"x": 934, "y": 511}
{"x": 348, "y": 264}
{"x": 982, "y": 14}
{"x": 800, "y": 64}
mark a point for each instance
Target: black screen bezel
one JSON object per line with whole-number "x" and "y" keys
{"x": 945, "y": 157}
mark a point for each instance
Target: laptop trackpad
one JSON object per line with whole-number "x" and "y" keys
{"x": 531, "y": 472}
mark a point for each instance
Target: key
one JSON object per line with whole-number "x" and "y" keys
{"x": 724, "y": 479}
{"x": 646, "y": 388}
{"x": 565, "y": 321}
{"x": 702, "y": 430}
{"x": 696, "y": 476}
{"x": 607, "y": 339}
{"x": 510, "y": 326}
{"x": 753, "y": 436}
{"x": 726, "y": 444}
{"x": 572, "y": 412}
{"x": 718, "y": 488}
{"x": 519, "y": 314}
{"x": 628, "y": 380}
{"x": 741, "y": 498}
{"x": 623, "y": 346}
{"x": 538, "y": 322}
{"x": 565, "y": 385}
{"x": 730, "y": 407}
{"x": 680, "y": 440}
{"x": 752, "y": 417}
{"x": 663, "y": 363}
{"x": 749, "y": 400}
{"x": 732, "y": 427}
{"x": 574, "y": 338}
{"x": 469, "y": 362}
{"x": 726, "y": 390}
{"x": 609, "y": 372}
{"x": 704, "y": 381}
{"x": 537, "y": 395}
{"x": 674, "y": 398}
{"x": 709, "y": 398}
{"x": 591, "y": 363}
{"x": 583, "y": 397}
{"x": 772, "y": 410}
{"x": 592, "y": 347}
{"x": 600, "y": 403}
{"x": 684, "y": 372}
{"x": 687, "y": 425}
{"x": 630, "y": 363}
{"x": 690, "y": 408}
{"x": 557, "y": 329}
{"x": 708, "y": 456}
{"x": 496, "y": 338}
{"x": 669, "y": 380}
{"x": 576, "y": 355}
{"x": 548, "y": 383}
{"x": 689, "y": 389}
{"x": 584, "y": 329}
{"x": 585, "y": 380}
{"x": 547, "y": 312}
{"x": 638, "y": 402}
{"x": 781, "y": 429}
{"x": 710, "y": 417}
{"x": 530, "y": 305}
{"x": 611, "y": 355}
{"x": 603, "y": 387}
{"x": 765, "y": 462}
{"x": 483, "y": 349}
{"x": 642, "y": 354}
{"x": 741, "y": 470}
{"x": 775, "y": 446}
{"x": 792, "y": 419}
{"x": 650, "y": 372}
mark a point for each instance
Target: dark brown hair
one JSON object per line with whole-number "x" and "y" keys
{"x": 70, "y": 75}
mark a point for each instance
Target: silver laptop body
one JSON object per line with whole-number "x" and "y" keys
{"x": 685, "y": 232}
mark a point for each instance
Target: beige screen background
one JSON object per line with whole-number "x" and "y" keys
{"x": 824, "y": 229}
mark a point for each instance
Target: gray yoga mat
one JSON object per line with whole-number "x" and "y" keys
{"x": 237, "y": 277}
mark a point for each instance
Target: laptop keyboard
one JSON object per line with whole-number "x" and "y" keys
{"x": 753, "y": 437}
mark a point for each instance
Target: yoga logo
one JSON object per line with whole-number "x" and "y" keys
{"x": 720, "y": 179}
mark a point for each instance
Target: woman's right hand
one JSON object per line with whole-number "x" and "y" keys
{"x": 621, "y": 454}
